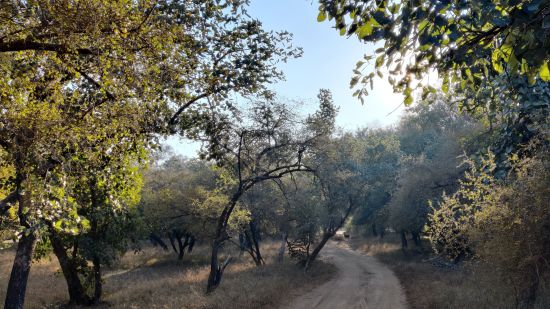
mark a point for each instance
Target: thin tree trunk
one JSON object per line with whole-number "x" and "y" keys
{"x": 529, "y": 289}
{"x": 374, "y": 232}
{"x": 215, "y": 275}
{"x": 282, "y": 249}
{"x": 192, "y": 241}
{"x": 98, "y": 285}
{"x": 77, "y": 293}
{"x": 256, "y": 241}
{"x": 242, "y": 243}
{"x": 156, "y": 240}
{"x": 329, "y": 232}
{"x": 17, "y": 286}
{"x": 171, "y": 238}
{"x": 252, "y": 250}
{"x": 95, "y": 234}
{"x": 216, "y": 270}
{"x": 318, "y": 248}
{"x": 180, "y": 246}
{"x": 416, "y": 239}
{"x": 404, "y": 243}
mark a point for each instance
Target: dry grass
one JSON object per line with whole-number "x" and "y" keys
{"x": 45, "y": 285}
{"x": 427, "y": 286}
{"x": 155, "y": 279}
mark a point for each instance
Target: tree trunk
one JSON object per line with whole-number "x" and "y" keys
{"x": 404, "y": 243}
{"x": 216, "y": 270}
{"x": 95, "y": 234}
{"x": 416, "y": 239}
{"x": 315, "y": 252}
{"x": 374, "y": 232}
{"x": 255, "y": 241}
{"x": 17, "y": 286}
{"x": 192, "y": 241}
{"x": 98, "y": 285}
{"x": 329, "y": 232}
{"x": 242, "y": 243}
{"x": 171, "y": 238}
{"x": 156, "y": 240}
{"x": 528, "y": 289}
{"x": 215, "y": 276}
{"x": 77, "y": 293}
{"x": 251, "y": 249}
{"x": 180, "y": 246}
{"x": 282, "y": 248}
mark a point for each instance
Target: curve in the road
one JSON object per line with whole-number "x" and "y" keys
{"x": 361, "y": 282}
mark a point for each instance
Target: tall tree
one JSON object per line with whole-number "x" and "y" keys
{"x": 265, "y": 145}
{"x": 67, "y": 62}
{"x": 433, "y": 136}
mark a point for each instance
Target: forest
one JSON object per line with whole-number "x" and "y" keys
{"x": 449, "y": 207}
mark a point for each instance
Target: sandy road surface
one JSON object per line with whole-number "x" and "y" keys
{"x": 361, "y": 282}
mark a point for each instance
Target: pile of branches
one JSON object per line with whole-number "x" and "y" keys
{"x": 298, "y": 249}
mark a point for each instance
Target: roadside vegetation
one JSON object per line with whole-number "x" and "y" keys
{"x": 473, "y": 285}
{"x": 153, "y": 278}
{"x": 89, "y": 89}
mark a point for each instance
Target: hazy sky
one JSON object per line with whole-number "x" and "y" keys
{"x": 327, "y": 62}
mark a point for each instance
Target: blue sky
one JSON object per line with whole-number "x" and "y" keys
{"x": 327, "y": 62}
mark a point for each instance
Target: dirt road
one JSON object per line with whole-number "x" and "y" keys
{"x": 361, "y": 282}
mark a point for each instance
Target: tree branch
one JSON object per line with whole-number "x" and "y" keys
{"x": 174, "y": 118}
{"x": 5, "y": 203}
{"x": 27, "y": 44}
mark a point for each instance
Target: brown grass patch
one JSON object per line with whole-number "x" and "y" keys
{"x": 428, "y": 286}
{"x": 154, "y": 278}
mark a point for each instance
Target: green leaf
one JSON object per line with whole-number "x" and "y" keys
{"x": 495, "y": 59}
{"x": 57, "y": 225}
{"x": 544, "y": 72}
{"x": 365, "y": 30}
{"x": 445, "y": 85}
{"x": 394, "y": 8}
{"x": 353, "y": 81}
{"x": 379, "y": 61}
{"x": 321, "y": 17}
{"x": 408, "y": 100}
{"x": 422, "y": 25}
{"x": 513, "y": 63}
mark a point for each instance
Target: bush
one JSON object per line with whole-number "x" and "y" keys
{"x": 505, "y": 223}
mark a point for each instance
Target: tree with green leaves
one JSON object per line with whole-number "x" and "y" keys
{"x": 260, "y": 148}
{"x": 107, "y": 191}
{"x": 267, "y": 144}
{"x": 150, "y": 65}
{"x": 174, "y": 201}
{"x": 340, "y": 187}
{"x": 432, "y": 137}
{"x": 503, "y": 222}
{"x": 379, "y": 167}
{"x": 465, "y": 42}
